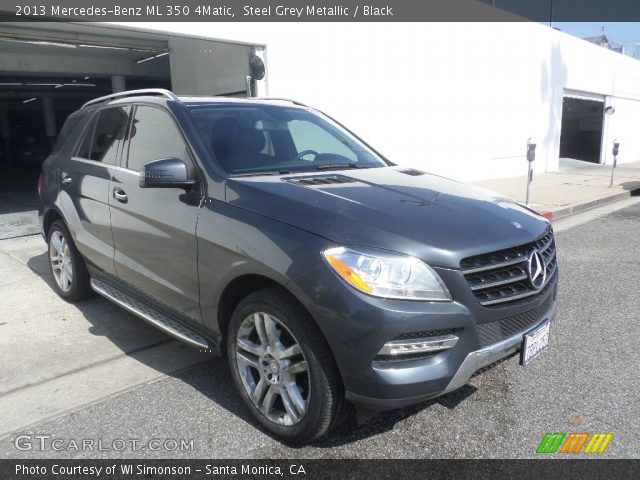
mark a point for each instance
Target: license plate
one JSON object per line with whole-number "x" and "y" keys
{"x": 534, "y": 343}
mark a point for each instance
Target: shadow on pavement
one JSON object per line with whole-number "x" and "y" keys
{"x": 385, "y": 421}
{"x": 127, "y": 332}
{"x": 633, "y": 187}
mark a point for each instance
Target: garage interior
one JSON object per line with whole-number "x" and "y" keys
{"x": 581, "y": 134}
{"x": 49, "y": 70}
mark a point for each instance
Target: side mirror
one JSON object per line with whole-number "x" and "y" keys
{"x": 165, "y": 173}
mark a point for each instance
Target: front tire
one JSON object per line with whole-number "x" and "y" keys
{"x": 69, "y": 272}
{"x": 283, "y": 368}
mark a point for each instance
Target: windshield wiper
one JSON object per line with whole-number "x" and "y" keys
{"x": 341, "y": 166}
{"x": 268, "y": 172}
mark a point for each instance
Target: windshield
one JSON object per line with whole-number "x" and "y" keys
{"x": 249, "y": 139}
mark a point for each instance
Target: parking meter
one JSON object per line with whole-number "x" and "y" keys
{"x": 531, "y": 156}
{"x": 616, "y": 149}
{"x": 531, "y": 149}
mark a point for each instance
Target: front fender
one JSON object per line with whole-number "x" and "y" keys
{"x": 233, "y": 242}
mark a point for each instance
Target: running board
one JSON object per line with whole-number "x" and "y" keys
{"x": 151, "y": 315}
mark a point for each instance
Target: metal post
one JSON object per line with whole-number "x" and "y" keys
{"x": 531, "y": 156}
{"x": 529, "y": 179}
{"x": 616, "y": 149}
{"x": 249, "y": 86}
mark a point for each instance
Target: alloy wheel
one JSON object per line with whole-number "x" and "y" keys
{"x": 273, "y": 369}
{"x": 61, "y": 263}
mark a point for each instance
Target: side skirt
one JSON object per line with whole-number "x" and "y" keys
{"x": 152, "y": 315}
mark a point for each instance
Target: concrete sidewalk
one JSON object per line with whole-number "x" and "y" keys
{"x": 576, "y": 187}
{"x": 18, "y": 214}
{"x": 57, "y": 356}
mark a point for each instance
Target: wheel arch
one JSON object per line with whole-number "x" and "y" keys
{"x": 236, "y": 290}
{"x": 51, "y": 215}
{"x": 242, "y": 286}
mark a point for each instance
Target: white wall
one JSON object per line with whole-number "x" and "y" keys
{"x": 457, "y": 99}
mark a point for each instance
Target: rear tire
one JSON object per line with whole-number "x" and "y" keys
{"x": 70, "y": 276}
{"x": 283, "y": 368}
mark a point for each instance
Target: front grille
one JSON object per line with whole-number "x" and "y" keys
{"x": 498, "y": 330}
{"x": 500, "y": 277}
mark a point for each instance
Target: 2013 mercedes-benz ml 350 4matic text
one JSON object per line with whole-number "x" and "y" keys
{"x": 264, "y": 230}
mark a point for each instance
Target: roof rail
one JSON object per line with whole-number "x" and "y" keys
{"x": 133, "y": 93}
{"x": 295, "y": 102}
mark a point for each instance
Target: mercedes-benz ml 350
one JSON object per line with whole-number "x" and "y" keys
{"x": 265, "y": 231}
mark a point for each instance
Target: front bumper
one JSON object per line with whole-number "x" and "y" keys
{"x": 356, "y": 326}
{"x": 473, "y": 362}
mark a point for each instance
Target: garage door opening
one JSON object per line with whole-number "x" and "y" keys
{"x": 581, "y": 134}
{"x": 49, "y": 70}
{"x": 33, "y": 110}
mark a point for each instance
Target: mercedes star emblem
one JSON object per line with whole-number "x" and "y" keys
{"x": 537, "y": 270}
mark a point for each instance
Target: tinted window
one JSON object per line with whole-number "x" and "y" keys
{"x": 63, "y": 141}
{"x": 85, "y": 146}
{"x": 102, "y": 139}
{"x": 256, "y": 138}
{"x": 154, "y": 135}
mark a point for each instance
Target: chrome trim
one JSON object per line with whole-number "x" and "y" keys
{"x": 543, "y": 249}
{"x": 510, "y": 262}
{"x": 419, "y": 345}
{"x": 509, "y": 298}
{"x": 498, "y": 283}
{"x": 486, "y": 356}
{"x": 133, "y": 93}
{"x": 493, "y": 266}
{"x": 523, "y": 295}
{"x": 512, "y": 297}
{"x": 551, "y": 272}
{"x": 551, "y": 257}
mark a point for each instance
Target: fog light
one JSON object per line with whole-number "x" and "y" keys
{"x": 418, "y": 345}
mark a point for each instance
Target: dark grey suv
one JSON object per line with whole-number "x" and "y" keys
{"x": 267, "y": 232}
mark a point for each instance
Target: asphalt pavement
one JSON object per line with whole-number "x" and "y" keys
{"x": 587, "y": 381}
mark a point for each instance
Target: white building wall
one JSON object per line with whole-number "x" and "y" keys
{"x": 459, "y": 100}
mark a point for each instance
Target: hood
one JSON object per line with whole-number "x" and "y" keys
{"x": 404, "y": 210}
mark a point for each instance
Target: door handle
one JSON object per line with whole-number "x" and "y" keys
{"x": 120, "y": 195}
{"x": 66, "y": 179}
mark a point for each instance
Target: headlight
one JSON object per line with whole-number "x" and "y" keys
{"x": 387, "y": 275}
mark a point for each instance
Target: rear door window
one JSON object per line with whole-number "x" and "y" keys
{"x": 64, "y": 141}
{"x": 104, "y": 134}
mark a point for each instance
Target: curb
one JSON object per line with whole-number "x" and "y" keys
{"x": 552, "y": 215}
